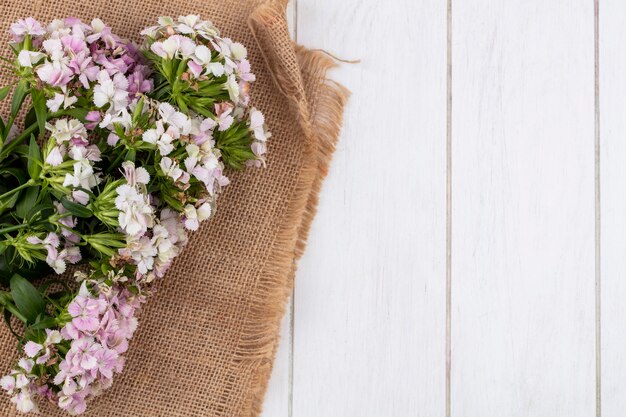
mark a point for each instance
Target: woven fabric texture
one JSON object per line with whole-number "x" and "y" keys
{"x": 207, "y": 339}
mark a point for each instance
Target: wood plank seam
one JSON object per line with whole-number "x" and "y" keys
{"x": 448, "y": 206}
{"x": 598, "y": 276}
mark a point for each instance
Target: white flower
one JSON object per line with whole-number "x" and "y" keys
{"x": 24, "y": 402}
{"x": 136, "y": 213}
{"x": 7, "y": 383}
{"x": 238, "y": 51}
{"x": 111, "y": 91}
{"x": 202, "y": 56}
{"x": 64, "y": 130}
{"x": 80, "y": 197}
{"x": 54, "y": 73}
{"x": 233, "y": 88}
{"x": 257, "y": 125}
{"x": 123, "y": 118}
{"x": 85, "y": 153}
{"x": 165, "y": 21}
{"x": 153, "y": 135}
{"x": 26, "y": 364}
{"x": 32, "y": 349}
{"x": 134, "y": 175}
{"x": 65, "y": 100}
{"x": 21, "y": 380}
{"x": 54, "y": 337}
{"x": 171, "y": 169}
{"x": 161, "y": 138}
{"x": 142, "y": 251}
{"x": 176, "y": 230}
{"x": 29, "y": 58}
{"x": 55, "y": 157}
{"x": 56, "y": 260}
{"x": 57, "y": 29}
{"x": 172, "y": 117}
{"x": 83, "y": 176}
{"x": 194, "y": 216}
{"x": 150, "y": 32}
{"x": 53, "y": 46}
{"x": 173, "y": 47}
{"x": 188, "y": 24}
{"x": 166, "y": 250}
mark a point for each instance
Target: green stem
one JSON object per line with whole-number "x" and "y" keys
{"x": 6, "y": 151}
{"x": 117, "y": 161}
{"x": 27, "y": 184}
{"x": 13, "y": 310}
{"x": 13, "y": 228}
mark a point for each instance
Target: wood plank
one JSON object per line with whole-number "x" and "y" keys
{"x": 612, "y": 21}
{"x": 523, "y": 313}
{"x": 278, "y": 396}
{"x": 370, "y": 296}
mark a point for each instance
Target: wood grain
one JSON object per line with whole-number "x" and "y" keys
{"x": 613, "y": 204}
{"x": 531, "y": 234}
{"x": 370, "y": 292}
{"x": 523, "y": 316}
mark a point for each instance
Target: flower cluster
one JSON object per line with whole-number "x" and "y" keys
{"x": 75, "y": 60}
{"x": 209, "y": 74}
{"x": 129, "y": 149}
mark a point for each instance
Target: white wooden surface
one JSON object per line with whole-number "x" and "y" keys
{"x": 514, "y": 235}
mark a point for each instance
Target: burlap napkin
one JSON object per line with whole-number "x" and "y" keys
{"x": 207, "y": 339}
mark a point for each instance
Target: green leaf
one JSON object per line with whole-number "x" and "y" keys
{"x": 18, "y": 97}
{"x": 171, "y": 201}
{"x": 19, "y": 175}
{"x": 27, "y": 299}
{"x": 4, "y": 92}
{"x": 15, "y": 172}
{"x": 34, "y": 158}
{"x": 76, "y": 113}
{"x": 130, "y": 155}
{"x": 39, "y": 103}
{"x": 26, "y": 203}
{"x": 40, "y": 211}
{"x": 137, "y": 112}
{"x": 45, "y": 323}
{"x": 31, "y": 117}
{"x": 76, "y": 209}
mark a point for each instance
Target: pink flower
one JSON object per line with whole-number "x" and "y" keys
{"x": 32, "y": 349}
{"x": 94, "y": 117}
{"x": 55, "y": 74}
{"x": 102, "y": 32}
{"x": 82, "y": 355}
{"x": 243, "y": 71}
{"x": 194, "y": 68}
{"x": 138, "y": 81}
{"x": 82, "y": 66}
{"x": 73, "y": 44}
{"x": 28, "y": 26}
{"x": 223, "y": 112}
{"x": 73, "y": 402}
{"x": 85, "y": 312}
{"x": 106, "y": 362}
{"x": 7, "y": 383}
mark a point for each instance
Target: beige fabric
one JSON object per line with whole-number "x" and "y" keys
{"x": 207, "y": 339}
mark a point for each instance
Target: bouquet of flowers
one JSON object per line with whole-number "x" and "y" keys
{"x": 121, "y": 150}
